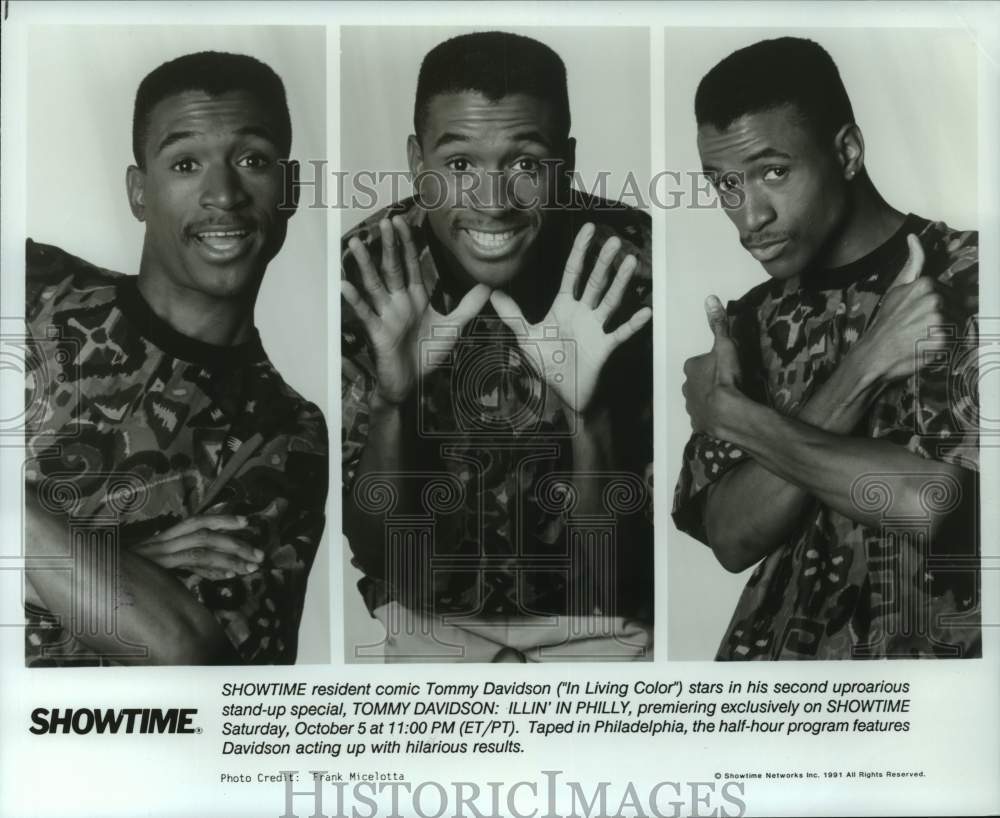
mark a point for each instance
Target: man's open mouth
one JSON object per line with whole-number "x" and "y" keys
{"x": 224, "y": 244}
{"x": 493, "y": 243}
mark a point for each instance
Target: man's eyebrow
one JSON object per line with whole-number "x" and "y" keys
{"x": 767, "y": 153}
{"x": 524, "y": 136}
{"x": 532, "y": 136}
{"x": 247, "y": 130}
{"x": 449, "y": 136}
{"x": 172, "y": 138}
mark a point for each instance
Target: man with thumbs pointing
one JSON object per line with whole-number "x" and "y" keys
{"x": 835, "y": 418}
{"x": 497, "y": 379}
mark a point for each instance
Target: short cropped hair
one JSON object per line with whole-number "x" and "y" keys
{"x": 214, "y": 73}
{"x": 771, "y": 74}
{"x": 495, "y": 64}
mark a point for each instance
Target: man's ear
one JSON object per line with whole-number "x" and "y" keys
{"x": 850, "y": 147}
{"x": 414, "y": 156}
{"x": 135, "y": 186}
{"x": 290, "y": 170}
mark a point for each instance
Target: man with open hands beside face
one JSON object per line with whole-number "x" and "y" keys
{"x": 835, "y": 417}
{"x": 188, "y": 479}
{"x": 497, "y": 381}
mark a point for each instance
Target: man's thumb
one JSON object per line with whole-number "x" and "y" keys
{"x": 471, "y": 304}
{"x": 508, "y": 312}
{"x": 914, "y": 263}
{"x": 716, "y": 313}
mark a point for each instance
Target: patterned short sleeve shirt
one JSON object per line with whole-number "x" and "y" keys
{"x": 135, "y": 427}
{"x": 839, "y": 589}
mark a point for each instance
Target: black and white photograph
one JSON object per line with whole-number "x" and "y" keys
{"x": 496, "y": 345}
{"x": 830, "y": 376}
{"x": 176, "y": 445}
{"x": 661, "y": 345}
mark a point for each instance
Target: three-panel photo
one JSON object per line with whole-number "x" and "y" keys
{"x": 653, "y": 345}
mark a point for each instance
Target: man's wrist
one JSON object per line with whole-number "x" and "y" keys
{"x": 379, "y": 406}
{"x": 728, "y": 408}
{"x": 862, "y": 369}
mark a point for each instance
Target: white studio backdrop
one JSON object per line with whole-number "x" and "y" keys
{"x": 81, "y": 84}
{"x": 914, "y": 94}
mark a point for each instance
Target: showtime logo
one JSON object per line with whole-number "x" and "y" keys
{"x": 84, "y": 720}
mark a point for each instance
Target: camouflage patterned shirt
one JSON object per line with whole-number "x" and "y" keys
{"x": 495, "y": 452}
{"x": 839, "y": 589}
{"x": 133, "y": 427}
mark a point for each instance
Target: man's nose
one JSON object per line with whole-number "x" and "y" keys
{"x": 222, "y": 188}
{"x": 491, "y": 195}
{"x": 758, "y": 211}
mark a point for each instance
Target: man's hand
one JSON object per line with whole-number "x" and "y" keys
{"x": 914, "y": 308}
{"x": 713, "y": 373}
{"x": 571, "y": 338}
{"x": 396, "y": 311}
{"x": 207, "y": 545}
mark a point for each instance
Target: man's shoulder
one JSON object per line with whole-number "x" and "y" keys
{"x": 614, "y": 218}
{"x": 64, "y": 276}
{"x": 284, "y": 411}
{"x": 367, "y": 230}
{"x": 952, "y": 255}
{"x": 756, "y": 297}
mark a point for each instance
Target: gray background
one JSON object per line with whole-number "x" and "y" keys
{"x": 914, "y": 98}
{"x": 81, "y": 88}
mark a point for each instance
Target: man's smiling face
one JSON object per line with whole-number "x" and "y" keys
{"x": 209, "y": 193}
{"x": 794, "y": 198}
{"x": 491, "y": 167}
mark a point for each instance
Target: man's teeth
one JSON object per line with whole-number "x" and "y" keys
{"x": 491, "y": 239}
{"x": 223, "y": 234}
{"x": 222, "y": 240}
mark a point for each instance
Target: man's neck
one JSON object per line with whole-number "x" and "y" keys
{"x": 871, "y": 222}
{"x": 217, "y": 321}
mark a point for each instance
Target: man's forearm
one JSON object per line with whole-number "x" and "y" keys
{"x": 751, "y": 510}
{"x": 152, "y": 608}
{"x": 383, "y": 457}
{"x": 828, "y": 466}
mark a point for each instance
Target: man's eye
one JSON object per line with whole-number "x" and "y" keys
{"x": 775, "y": 173}
{"x": 254, "y": 161}
{"x": 184, "y": 166}
{"x": 527, "y": 164}
{"x": 727, "y": 182}
{"x": 459, "y": 164}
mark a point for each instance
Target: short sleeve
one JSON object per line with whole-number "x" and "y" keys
{"x": 707, "y": 459}
{"x": 936, "y": 412}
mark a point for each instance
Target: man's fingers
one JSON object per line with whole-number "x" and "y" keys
{"x": 716, "y": 314}
{"x": 213, "y": 522}
{"x": 613, "y": 297}
{"x": 509, "y": 312}
{"x": 597, "y": 282}
{"x": 632, "y": 326}
{"x": 394, "y": 279}
{"x": 193, "y": 559}
{"x": 369, "y": 275}
{"x": 914, "y": 263}
{"x": 574, "y": 264}
{"x": 411, "y": 258}
{"x": 360, "y": 306}
{"x": 207, "y": 539}
{"x": 470, "y": 306}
